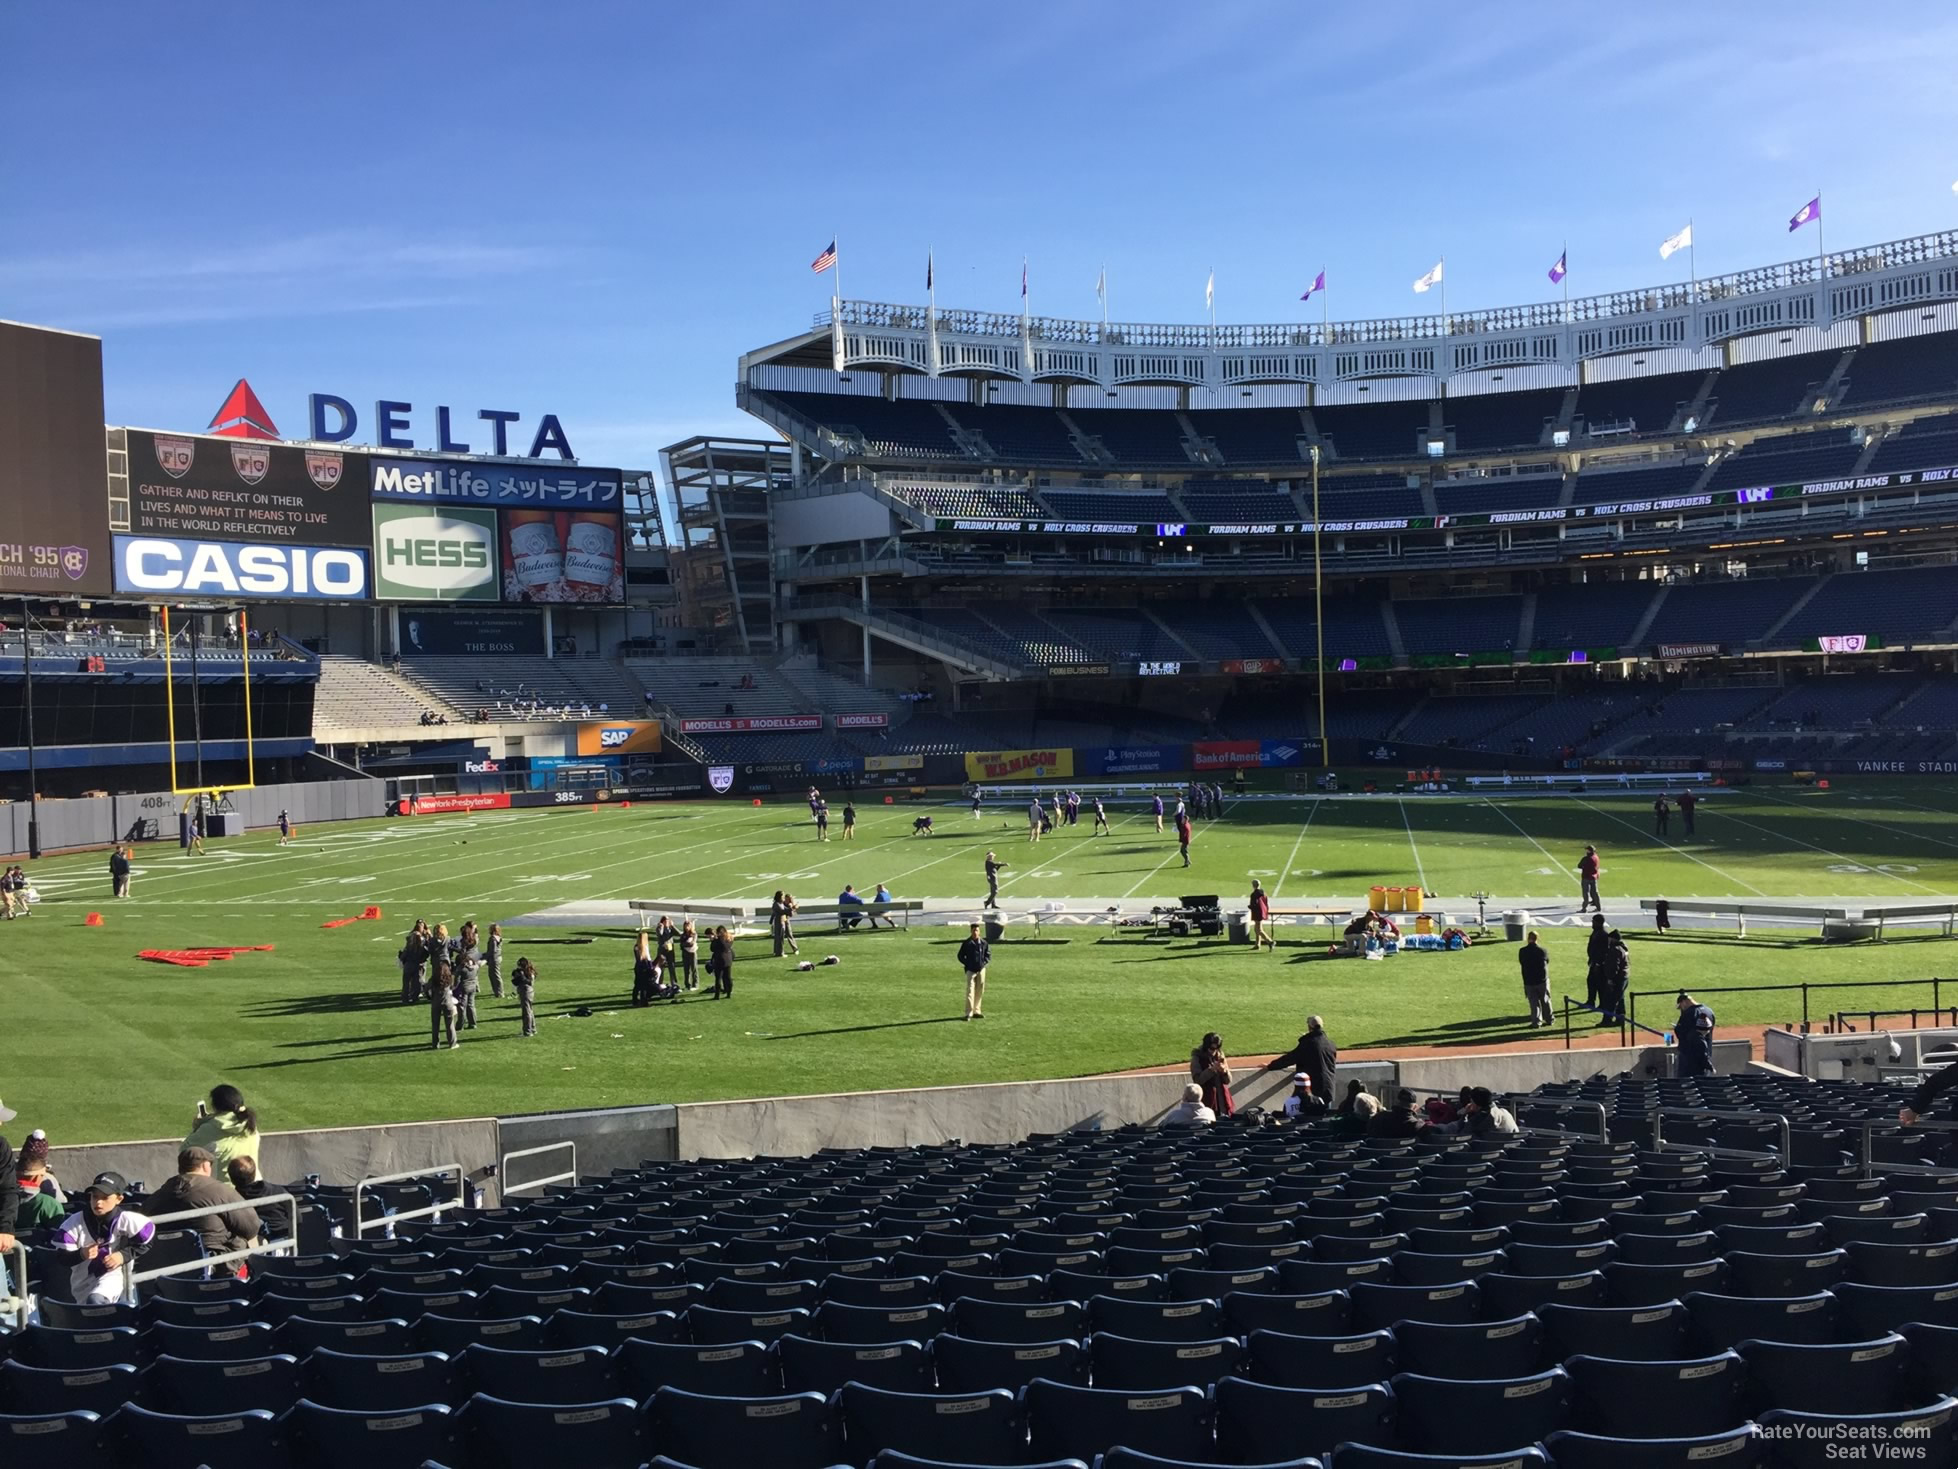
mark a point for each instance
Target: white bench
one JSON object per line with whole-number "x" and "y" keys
{"x": 1740, "y": 911}
{"x": 1944, "y": 914}
{"x": 688, "y": 908}
{"x": 865, "y": 909}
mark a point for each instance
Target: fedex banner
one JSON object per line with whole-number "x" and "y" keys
{"x": 436, "y": 805}
{"x": 991, "y": 765}
{"x": 1227, "y": 755}
{"x": 863, "y": 721}
{"x": 757, "y": 724}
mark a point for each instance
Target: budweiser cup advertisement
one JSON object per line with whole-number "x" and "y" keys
{"x": 562, "y": 556}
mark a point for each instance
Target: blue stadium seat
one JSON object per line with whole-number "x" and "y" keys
{"x": 1365, "y": 1456}
{"x": 1737, "y": 1448}
{"x": 388, "y": 1337}
{"x": 454, "y": 1334}
{"x": 809, "y": 1365}
{"x": 1480, "y": 1349}
{"x": 1437, "y": 1415}
{"x": 1130, "y": 1365}
{"x": 236, "y": 1342}
{"x": 504, "y": 1435}
{"x": 69, "y": 1316}
{"x": 606, "y": 1329}
{"x": 892, "y": 1459}
{"x": 952, "y": 1284}
{"x": 338, "y": 1305}
{"x": 553, "y": 1375}
{"x": 1679, "y": 1399}
{"x": 1935, "y": 1263}
{"x": 1321, "y": 1313}
{"x": 1511, "y": 1295}
{"x": 1651, "y": 1285}
{"x": 54, "y": 1346}
{"x": 1573, "y": 1259}
{"x": 213, "y": 1311}
{"x": 986, "y": 1320}
{"x": 1375, "y": 1306}
{"x": 882, "y": 1291}
{"x": 1064, "y": 1421}
{"x": 1654, "y": 1333}
{"x": 797, "y": 1431}
{"x": 1813, "y": 1440}
{"x": 834, "y": 1321}
{"x": 378, "y": 1384}
{"x": 1933, "y": 1358}
{"x": 72, "y": 1440}
{"x": 182, "y": 1385}
{"x": 1136, "y": 1459}
{"x": 965, "y": 1365}
{"x": 972, "y": 1428}
{"x": 729, "y": 1369}
{"x": 1258, "y": 1423}
{"x": 1844, "y": 1377}
{"x": 1751, "y": 1274}
{"x": 173, "y": 1441}
{"x": 1415, "y": 1267}
{"x": 710, "y": 1327}
{"x": 1156, "y": 1320}
{"x": 101, "y": 1390}
{"x": 1720, "y": 1323}
{"x": 1284, "y": 1360}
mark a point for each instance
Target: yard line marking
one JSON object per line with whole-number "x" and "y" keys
{"x": 1526, "y": 836}
{"x": 1679, "y": 851}
{"x": 1419, "y": 871}
{"x": 1309, "y": 815}
{"x": 1864, "y": 821}
{"x": 1785, "y": 837}
{"x": 1174, "y": 853}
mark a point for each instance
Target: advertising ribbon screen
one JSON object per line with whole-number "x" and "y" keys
{"x": 189, "y": 488}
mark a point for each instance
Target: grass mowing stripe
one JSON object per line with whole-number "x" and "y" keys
{"x": 1864, "y": 821}
{"x": 1292, "y": 856}
{"x": 1528, "y": 838}
{"x": 1659, "y": 841}
{"x": 1826, "y": 852}
{"x": 1419, "y": 871}
{"x": 1177, "y": 853}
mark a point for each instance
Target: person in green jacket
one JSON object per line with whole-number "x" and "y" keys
{"x": 40, "y": 1201}
{"x": 227, "y": 1128}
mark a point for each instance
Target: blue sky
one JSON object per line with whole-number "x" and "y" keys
{"x": 593, "y": 208}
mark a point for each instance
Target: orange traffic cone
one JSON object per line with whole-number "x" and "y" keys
{"x": 94, "y": 920}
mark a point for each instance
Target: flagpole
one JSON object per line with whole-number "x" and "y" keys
{"x": 1563, "y": 259}
{"x": 1692, "y": 259}
{"x": 1104, "y": 297}
{"x": 838, "y": 268}
{"x": 1821, "y": 260}
{"x": 1325, "y": 316}
{"x": 1443, "y": 263}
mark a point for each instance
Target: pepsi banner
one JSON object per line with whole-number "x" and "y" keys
{"x": 191, "y": 487}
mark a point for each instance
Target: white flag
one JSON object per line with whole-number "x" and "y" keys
{"x": 1101, "y": 286}
{"x": 1680, "y": 241}
{"x": 1431, "y": 279}
{"x": 1210, "y": 291}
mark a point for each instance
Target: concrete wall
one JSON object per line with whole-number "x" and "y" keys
{"x": 1854, "y": 1056}
{"x": 339, "y": 1155}
{"x": 616, "y": 1137}
{"x": 100, "y": 821}
{"x": 1517, "y": 1072}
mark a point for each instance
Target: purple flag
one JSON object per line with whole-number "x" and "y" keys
{"x": 1808, "y": 212}
{"x": 1559, "y": 270}
{"x": 1318, "y": 284}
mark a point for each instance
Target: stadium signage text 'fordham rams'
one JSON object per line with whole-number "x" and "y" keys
{"x": 393, "y": 430}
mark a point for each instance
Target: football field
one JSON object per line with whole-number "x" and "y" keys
{"x": 108, "y": 1045}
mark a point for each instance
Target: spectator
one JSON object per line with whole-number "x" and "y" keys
{"x": 1302, "y": 1103}
{"x": 9, "y": 1197}
{"x": 1211, "y": 1074}
{"x": 193, "y": 1187}
{"x": 975, "y": 954}
{"x": 275, "y": 1220}
{"x": 882, "y": 895}
{"x": 1260, "y": 906}
{"x": 119, "y": 872}
{"x": 1190, "y": 1112}
{"x": 1400, "y": 1121}
{"x": 1315, "y": 1055}
{"x": 101, "y": 1240}
{"x": 39, "y": 1203}
{"x": 524, "y": 979}
{"x": 1587, "y": 880}
{"x": 847, "y": 898}
{"x": 1597, "y": 967}
{"x": 1695, "y": 1036}
{"x": 227, "y": 1129}
{"x": 720, "y": 963}
{"x": 1487, "y": 1118}
{"x": 689, "y": 958}
{"x": 1534, "y": 961}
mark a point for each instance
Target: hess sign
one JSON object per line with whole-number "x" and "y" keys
{"x": 334, "y": 421}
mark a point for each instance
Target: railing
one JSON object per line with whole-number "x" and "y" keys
{"x": 1936, "y": 984}
{"x": 1603, "y": 1133}
{"x": 1939, "y": 1018}
{"x": 134, "y": 1277}
{"x": 505, "y": 1188}
{"x": 1659, "y": 1114}
{"x": 17, "y": 1262}
{"x": 413, "y": 1175}
{"x": 1865, "y": 1164}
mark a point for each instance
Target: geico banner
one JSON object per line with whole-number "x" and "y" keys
{"x": 458, "y": 482}
{"x": 893, "y": 762}
{"x": 1226, "y": 755}
{"x": 157, "y": 567}
{"x": 424, "y": 554}
{"x": 1020, "y": 764}
{"x": 620, "y": 737}
{"x": 759, "y": 724}
{"x": 435, "y": 805}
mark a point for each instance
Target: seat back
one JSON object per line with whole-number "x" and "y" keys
{"x": 986, "y": 1428}
{"x": 1258, "y": 1423}
{"x": 361, "y": 1384}
{"x": 796, "y": 1431}
{"x": 1064, "y": 1421}
{"x": 1441, "y": 1416}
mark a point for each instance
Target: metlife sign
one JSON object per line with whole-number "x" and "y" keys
{"x": 164, "y": 567}
{"x": 426, "y": 554}
{"x": 449, "y": 483}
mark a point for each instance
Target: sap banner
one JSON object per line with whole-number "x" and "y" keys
{"x": 425, "y": 553}
{"x": 619, "y": 737}
{"x": 160, "y": 568}
{"x": 996, "y": 765}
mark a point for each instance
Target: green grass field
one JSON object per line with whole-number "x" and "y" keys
{"x": 105, "y": 1046}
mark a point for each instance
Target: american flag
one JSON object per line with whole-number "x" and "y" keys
{"x": 825, "y": 260}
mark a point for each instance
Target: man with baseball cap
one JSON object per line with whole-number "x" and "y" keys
{"x": 102, "y": 1240}
{"x": 193, "y": 1187}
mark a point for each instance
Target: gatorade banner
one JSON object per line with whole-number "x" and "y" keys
{"x": 995, "y": 765}
{"x": 1226, "y": 755}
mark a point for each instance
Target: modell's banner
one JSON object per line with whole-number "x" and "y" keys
{"x": 863, "y": 721}
{"x": 1254, "y": 665}
{"x": 1028, "y": 764}
{"x": 1226, "y": 755}
{"x": 1689, "y": 650}
{"x": 758, "y": 724}
{"x": 619, "y": 737}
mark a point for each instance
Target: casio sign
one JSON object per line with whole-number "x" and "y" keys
{"x": 392, "y": 429}
{"x": 612, "y": 738}
{"x": 215, "y": 568}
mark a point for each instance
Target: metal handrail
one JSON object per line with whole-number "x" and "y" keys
{"x": 1604, "y": 1117}
{"x": 505, "y": 1188}
{"x": 287, "y": 1245}
{"x": 411, "y": 1175}
{"x": 1659, "y": 1142}
{"x": 1866, "y": 1165}
{"x": 19, "y": 1297}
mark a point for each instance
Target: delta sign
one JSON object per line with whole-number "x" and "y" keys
{"x": 333, "y": 420}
